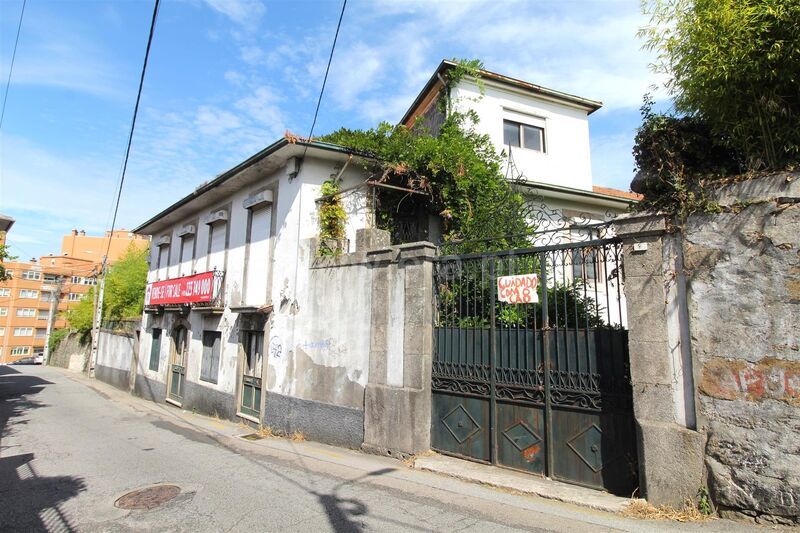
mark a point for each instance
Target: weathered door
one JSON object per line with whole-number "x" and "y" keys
{"x": 253, "y": 345}
{"x": 531, "y": 369}
{"x": 177, "y": 368}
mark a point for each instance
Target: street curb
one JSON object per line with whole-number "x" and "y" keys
{"x": 522, "y": 483}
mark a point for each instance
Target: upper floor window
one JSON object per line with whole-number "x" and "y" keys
{"x": 523, "y": 135}
{"x": 31, "y": 274}
{"x": 5, "y": 292}
{"x": 23, "y": 332}
{"x": 74, "y": 297}
{"x": 28, "y": 293}
{"x": 3, "y": 311}
{"x": 51, "y": 278}
{"x": 76, "y": 279}
{"x": 26, "y": 312}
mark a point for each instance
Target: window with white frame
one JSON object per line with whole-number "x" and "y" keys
{"x": 41, "y": 333}
{"x": 76, "y": 280}
{"x": 74, "y": 296}
{"x": 20, "y": 350}
{"x": 32, "y": 275}
{"x": 2, "y": 332}
{"x": 26, "y": 312}
{"x": 89, "y": 281}
{"x": 3, "y": 311}
{"x": 44, "y": 314}
{"x": 517, "y": 134}
{"x": 28, "y": 293}
{"x": 23, "y": 332}
{"x": 5, "y": 291}
{"x": 9, "y": 273}
{"x": 50, "y": 278}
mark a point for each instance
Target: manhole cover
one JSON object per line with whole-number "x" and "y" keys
{"x": 148, "y": 498}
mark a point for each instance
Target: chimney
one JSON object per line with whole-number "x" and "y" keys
{"x": 75, "y": 232}
{"x": 83, "y": 233}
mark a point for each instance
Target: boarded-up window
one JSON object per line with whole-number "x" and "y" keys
{"x": 155, "y": 349}
{"x": 209, "y": 367}
{"x": 161, "y": 264}
{"x": 216, "y": 256}
{"x": 187, "y": 252}
{"x": 258, "y": 258}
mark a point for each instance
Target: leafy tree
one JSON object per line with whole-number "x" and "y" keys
{"x": 734, "y": 64}
{"x": 674, "y": 155}
{"x": 124, "y": 292}
{"x": 5, "y": 256}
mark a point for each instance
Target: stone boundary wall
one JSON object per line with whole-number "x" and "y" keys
{"x": 71, "y": 354}
{"x": 742, "y": 271}
{"x": 714, "y": 307}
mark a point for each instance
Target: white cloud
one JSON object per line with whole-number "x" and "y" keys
{"x": 56, "y": 53}
{"x": 246, "y": 13}
{"x": 263, "y": 106}
{"x": 213, "y": 121}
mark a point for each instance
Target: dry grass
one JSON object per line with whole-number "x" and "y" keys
{"x": 265, "y": 432}
{"x": 410, "y": 460}
{"x": 644, "y": 511}
{"x": 297, "y": 436}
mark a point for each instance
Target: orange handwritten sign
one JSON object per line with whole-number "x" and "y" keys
{"x": 519, "y": 289}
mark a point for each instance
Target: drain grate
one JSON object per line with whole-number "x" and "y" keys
{"x": 148, "y": 498}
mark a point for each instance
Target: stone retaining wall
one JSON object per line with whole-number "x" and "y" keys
{"x": 743, "y": 287}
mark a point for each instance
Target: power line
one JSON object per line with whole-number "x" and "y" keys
{"x": 133, "y": 127}
{"x": 325, "y": 80}
{"x": 11, "y": 69}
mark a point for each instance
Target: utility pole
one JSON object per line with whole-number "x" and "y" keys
{"x": 98, "y": 317}
{"x": 55, "y": 296}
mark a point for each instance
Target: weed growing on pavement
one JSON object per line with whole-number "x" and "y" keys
{"x": 645, "y": 511}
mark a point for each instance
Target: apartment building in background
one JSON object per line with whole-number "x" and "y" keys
{"x": 53, "y": 283}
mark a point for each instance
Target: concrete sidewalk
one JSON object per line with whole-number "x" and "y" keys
{"x": 560, "y": 507}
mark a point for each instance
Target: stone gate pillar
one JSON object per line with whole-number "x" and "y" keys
{"x": 671, "y": 451}
{"x": 397, "y": 403}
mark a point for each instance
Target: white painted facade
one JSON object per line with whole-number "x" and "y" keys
{"x": 259, "y": 228}
{"x": 565, "y": 159}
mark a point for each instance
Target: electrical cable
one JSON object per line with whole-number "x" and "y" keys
{"x": 11, "y": 68}
{"x": 324, "y": 81}
{"x": 133, "y": 127}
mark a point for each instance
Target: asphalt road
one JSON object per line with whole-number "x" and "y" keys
{"x": 70, "y": 447}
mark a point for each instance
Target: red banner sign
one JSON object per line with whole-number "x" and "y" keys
{"x": 189, "y": 289}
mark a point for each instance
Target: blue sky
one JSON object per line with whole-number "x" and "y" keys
{"x": 228, "y": 77}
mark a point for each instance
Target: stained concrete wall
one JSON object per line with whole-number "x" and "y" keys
{"x": 116, "y": 350}
{"x": 715, "y": 350}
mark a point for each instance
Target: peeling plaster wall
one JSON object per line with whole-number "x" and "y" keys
{"x": 309, "y": 354}
{"x": 743, "y": 286}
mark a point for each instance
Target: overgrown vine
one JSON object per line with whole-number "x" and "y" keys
{"x": 455, "y": 175}
{"x": 332, "y": 217}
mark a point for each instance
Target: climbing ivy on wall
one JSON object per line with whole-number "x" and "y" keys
{"x": 458, "y": 173}
{"x": 332, "y": 218}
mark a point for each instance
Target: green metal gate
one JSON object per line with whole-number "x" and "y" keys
{"x": 531, "y": 368}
